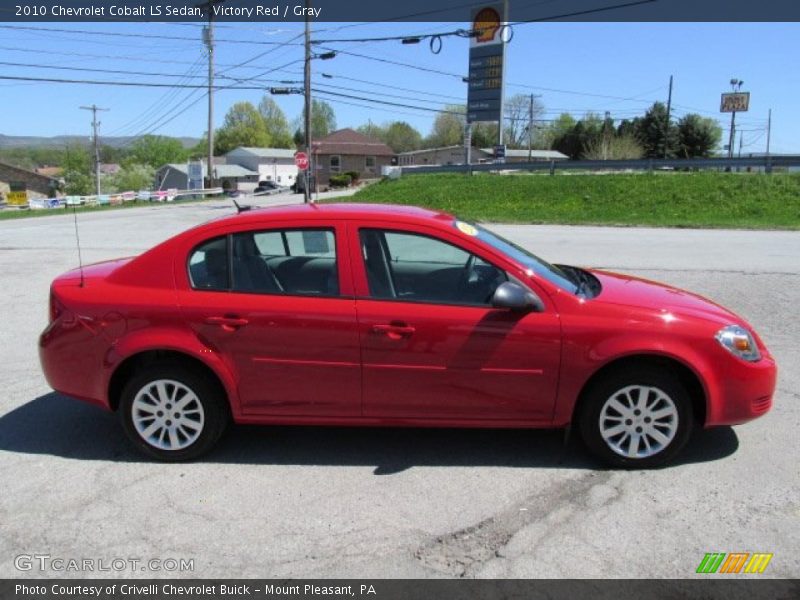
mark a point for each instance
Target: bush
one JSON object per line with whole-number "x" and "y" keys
{"x": 343, "y": 180}
{"x": 354, "y": 175}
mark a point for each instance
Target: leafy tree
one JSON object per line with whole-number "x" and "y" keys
{"x": 555, "y": 130}
{"x": 275, "y": 122}
{"x": 133, "y": 177}
{"x": 484, "y": 135}
{"x": 697, "y": 136}
{"x": 448, "y": 127}
{"x": 156, "y": 151}
{"x": 243, "y": 126}
{"x": 77, "y": 183}
{"x": 323, "y": 122}
{"x": 654, "y": 133}
{"x": 398, "y": 135}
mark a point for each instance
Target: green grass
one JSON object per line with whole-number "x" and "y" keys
{"x": 9, "y": 213}
{"x": 729, "y": 200}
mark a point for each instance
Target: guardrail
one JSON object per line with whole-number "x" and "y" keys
{"x": 768, "y": 163}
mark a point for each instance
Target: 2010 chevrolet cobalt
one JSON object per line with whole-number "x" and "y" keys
{"x": 393, "y": 316}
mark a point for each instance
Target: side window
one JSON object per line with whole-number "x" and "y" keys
{"x": 292, "y": 261}
{"x": 407, "y": 266}
{"x": 208, "y": 265}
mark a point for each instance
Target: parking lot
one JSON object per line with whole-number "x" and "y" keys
{"x": 347, "y": 502}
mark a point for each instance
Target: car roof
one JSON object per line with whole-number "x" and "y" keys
{"x": 337, "y": 211}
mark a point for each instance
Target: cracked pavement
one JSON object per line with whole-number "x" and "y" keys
{"x": 347, "y": 502}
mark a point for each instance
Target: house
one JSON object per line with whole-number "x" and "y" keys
{"x": 519, "y": 155}
{"x": 456, "y": 155}
{"x": 271, "y": 164}
{"x": 347, "y": 150}
{"x": 447, "y": 155}
{"x": 17, "y": 185}
{"x": 229, "y": 177}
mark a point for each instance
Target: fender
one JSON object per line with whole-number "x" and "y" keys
{"x": 576, "y": 361}
{"x": 172, "y": 338}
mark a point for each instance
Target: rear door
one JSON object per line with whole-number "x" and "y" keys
{"x": 432, "y": 345}
{"x": 277, "y": 304}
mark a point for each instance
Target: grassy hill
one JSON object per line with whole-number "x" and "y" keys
{"x": 708, "y": 199}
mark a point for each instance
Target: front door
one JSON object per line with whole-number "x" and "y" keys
{"x": 270, "y": 303}
{"x": 432, "y": 345}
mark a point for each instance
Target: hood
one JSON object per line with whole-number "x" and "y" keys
{"x": 658, "y": 297}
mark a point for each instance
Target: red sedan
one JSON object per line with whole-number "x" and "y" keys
{"x": 393, "y": 316}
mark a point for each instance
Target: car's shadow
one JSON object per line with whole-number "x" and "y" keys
{"x": 56, "y": 425}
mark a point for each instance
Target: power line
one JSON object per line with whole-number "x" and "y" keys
{"x": 141, "y": 35}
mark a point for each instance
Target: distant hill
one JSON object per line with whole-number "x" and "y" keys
{"x": 59, "y": 141}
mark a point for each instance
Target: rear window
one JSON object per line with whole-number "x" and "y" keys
{"x": 208, "y": 265}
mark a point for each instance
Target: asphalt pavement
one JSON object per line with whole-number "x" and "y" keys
{"x": 347, "y": 502}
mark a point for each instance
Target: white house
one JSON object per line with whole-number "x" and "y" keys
{"x": 271, "y": 164}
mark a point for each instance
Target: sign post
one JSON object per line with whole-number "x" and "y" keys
{"x": 487, "y": 66}
{"x": 734, "y": 102}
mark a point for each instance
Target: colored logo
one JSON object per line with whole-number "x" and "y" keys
{"x": 487, "y": 23}
{"x": 733, "y": 563}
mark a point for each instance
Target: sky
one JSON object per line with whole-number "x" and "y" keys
{"x": 576, "y": 67}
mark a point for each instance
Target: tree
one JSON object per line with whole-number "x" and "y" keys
{"x": 697, "y": 136}
{"x": 243, "y": 126}
{"x": 156, "y": 151}
{"x": 401, "y": 137}
{"x": 77, "y": 166}
{"x": 323, "y": 122}
{"x": 484, "y": 135}
{"x": 371, "y": 130}
{"x": 654, "y": 133}
{"x": 518, "y": 117}
{"x": 558, "y": 128}
{"x": 448, "y": 127}
{"x": 275, "y": 122}
{"x": 613, "y": 147}
{"x": 133, "y": 177}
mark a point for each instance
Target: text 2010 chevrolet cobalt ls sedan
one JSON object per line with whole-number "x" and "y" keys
{"x": 376, "y": 315}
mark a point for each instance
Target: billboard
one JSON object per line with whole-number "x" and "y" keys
{"x": 735, "y": 102}
{"x": 486, "y": 64}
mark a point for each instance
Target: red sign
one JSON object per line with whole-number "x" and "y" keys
{"x": 301, "y": 160}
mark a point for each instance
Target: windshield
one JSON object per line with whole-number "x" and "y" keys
{"x": 540, "y": 267}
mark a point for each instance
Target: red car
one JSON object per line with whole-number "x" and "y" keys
{"x": 393, "y": 316}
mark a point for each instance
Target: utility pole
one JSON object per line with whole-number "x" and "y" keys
{"x": 769, "y": 128}
{"x": 208, "y": 38}
{"x": 307, "y": 109}
{"x": 669, "y": 111}
{"x": 530, "y": 125}
{"x": 95, "y": 124}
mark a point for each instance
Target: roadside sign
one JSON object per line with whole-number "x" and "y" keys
{"x": 735, "y": 102}
{"x": 500, "y": 151}
{"x": 17, "y": 194}
{"x": 301, "y": 160}
{"x": 486, "y": 64}
{"x": 195, "y": 175}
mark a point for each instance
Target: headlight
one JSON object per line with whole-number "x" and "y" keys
{"x": 737, "y": 340}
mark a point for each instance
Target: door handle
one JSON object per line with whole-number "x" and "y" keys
{"x": 394, "y": 332}
{"x": 228, "y": 323}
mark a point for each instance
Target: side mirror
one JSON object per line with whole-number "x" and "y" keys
{"x": 512, "y": 296}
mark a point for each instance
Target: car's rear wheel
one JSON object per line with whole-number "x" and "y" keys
{"x": 637, "y": 420}
{"x": 172, "y": 412}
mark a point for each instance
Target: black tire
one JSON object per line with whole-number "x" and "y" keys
{"x": 614, "y": 386}
{"x": 213, "y": 407}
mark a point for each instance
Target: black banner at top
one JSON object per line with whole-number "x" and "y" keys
{"x": 456, "y": 11}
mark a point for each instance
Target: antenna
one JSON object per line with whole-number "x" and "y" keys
{"x": 240, "y": 208}
{"x": 78, "y": 240}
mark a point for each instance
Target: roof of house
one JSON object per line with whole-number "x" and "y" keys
{"x": 264, "y": 152}
{"x": 348, "y": 141}
{"x": 219, "y": 170}
{"x": 439, "y": 149}
{"x": 28, "y": 173}
{"x": 535, "y": 154}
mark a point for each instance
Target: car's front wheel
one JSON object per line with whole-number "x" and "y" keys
{"x": 637, "y": 420}
{"x": 172, "y": 412}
